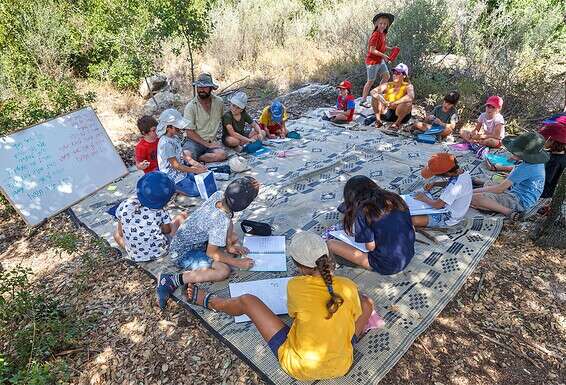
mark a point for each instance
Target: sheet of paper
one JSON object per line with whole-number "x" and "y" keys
{"x": 269, "y": 262}
{"x": 273, "y": 292}
{"x": 274, "y": 244}
{"x": 341, "y": 235}
{"x": 417, "y": 207}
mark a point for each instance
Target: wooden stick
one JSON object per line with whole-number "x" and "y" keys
{"x": 480, "y": 284}
{"x": 512, "y": 350}
{"x": 231, "y": 84}
{"x": 429, "y": 353}
{"x": 525, "y": 341}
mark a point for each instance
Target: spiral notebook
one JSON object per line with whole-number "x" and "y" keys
{"x": 268, "y": 253}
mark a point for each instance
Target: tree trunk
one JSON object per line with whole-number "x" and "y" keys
{"x": 551, "y": 232}
{"x": 191, "y": 60}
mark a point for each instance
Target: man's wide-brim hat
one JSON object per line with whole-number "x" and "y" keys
{"x": 386, "y": 15}
{"x": 529, "y": 147}
{"x": 205, "y": 80}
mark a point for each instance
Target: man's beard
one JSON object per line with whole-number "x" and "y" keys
{"x": 203, "y": 95}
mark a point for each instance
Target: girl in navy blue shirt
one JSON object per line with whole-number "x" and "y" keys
{"x": 381, "y": 220}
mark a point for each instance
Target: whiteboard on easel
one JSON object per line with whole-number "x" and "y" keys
{"x": 49, "y": 167}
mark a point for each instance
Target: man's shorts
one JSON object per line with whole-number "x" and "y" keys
{"x": 376, "y": 69}
{"x": 197, "y": 150}
{"x": 438, "y": 220}
{"x": 506, "y": 199}
{"x": 195, "y": 260}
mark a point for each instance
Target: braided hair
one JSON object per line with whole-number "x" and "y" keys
{"x": 325, "y": 266}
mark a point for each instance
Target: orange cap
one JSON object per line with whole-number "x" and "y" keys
{"x": 439, "y": 164}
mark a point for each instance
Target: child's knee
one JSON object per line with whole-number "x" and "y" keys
{"x": 367, "y": 302}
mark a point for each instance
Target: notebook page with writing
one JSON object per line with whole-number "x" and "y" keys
{"x": 268, "y": 253}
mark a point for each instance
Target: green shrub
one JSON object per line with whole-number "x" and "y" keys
{"x": 33, "y": 327}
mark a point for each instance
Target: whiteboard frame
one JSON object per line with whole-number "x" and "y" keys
{"x": 78, "y": 200}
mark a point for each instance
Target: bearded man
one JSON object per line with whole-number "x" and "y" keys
{"x": 204, "y": 114}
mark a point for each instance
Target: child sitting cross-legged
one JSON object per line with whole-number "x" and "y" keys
{"x": 381, "y": 220}
{"x": 524, "y": 185}
{"x": 144, "y": 227}
{"x": 443, "y": 116}
{"x": 345, "y": 105}
{"x": 328, "y": 314}
{"x": 235, "y": 133}
{"x": 171, "y": 158}
{"x": 456, "y": 195}
{"x": 272, "y": 120}
{"x": 489, "y": 129}
{"x": 206, "y": 245}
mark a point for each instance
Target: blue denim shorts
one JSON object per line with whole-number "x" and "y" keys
{"x": 438, "y": 220}
{"x": 188, "y": 186}
{"x": 195, "y": 260}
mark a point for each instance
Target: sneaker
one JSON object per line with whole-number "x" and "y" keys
{"x": 165, "y": 288}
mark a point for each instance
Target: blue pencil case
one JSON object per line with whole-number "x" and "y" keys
{"x": 434, "y": 130}
{"x": 425, "y": 138}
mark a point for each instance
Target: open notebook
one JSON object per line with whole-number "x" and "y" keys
{"x": 268, "y": 253}
{"x": 341, "y": 235}
{"x": 272, "y": 292}
{"x": 417, "y": 207}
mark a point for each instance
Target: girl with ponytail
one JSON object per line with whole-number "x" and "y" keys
{"x": 381, "y": 220}
{"x": 328, "y": 314}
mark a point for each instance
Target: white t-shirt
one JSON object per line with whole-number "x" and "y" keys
{"x": 141, "y": 225}
{"x": 488, "y": 125}
{"x": 457, "y": 195}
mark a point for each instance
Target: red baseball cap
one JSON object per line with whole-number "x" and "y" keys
{"x": 555, "y": 129}
{"x": 439, "y": 164}
{"x": 494, "y": 101}
{"x": 346, "y": 85}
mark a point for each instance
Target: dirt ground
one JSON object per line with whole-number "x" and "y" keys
{"x": 507, "y": 325}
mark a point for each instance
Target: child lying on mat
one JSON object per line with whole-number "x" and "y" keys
{"x": 206, "y": 245}
{"x": 345, "y": 105}
{"x": 328, "y": 313}
{"x": 380, "y": 219}
{"x": 443, "y": 115}
{"x": 144, "y": 227}
{"x": 456, "y": 195}
{"x": 523, "y": 187}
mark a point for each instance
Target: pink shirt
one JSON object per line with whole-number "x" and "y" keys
{"x": 488, "y": 125}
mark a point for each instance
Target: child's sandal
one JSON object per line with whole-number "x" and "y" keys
{"x": 194, "y": 297}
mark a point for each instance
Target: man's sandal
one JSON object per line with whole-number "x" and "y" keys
{"x": 194, "y": 297}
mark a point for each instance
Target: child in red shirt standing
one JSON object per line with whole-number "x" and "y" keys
{"x": 146, "y": 149}
{"x": 345, "y": 105}
{"x": 376, "y": 57}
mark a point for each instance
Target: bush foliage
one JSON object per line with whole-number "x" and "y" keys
{"x": 33, "y": 328}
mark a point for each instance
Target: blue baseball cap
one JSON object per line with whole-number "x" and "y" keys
{"x": 155, "y": 189}
{"x": 276, "y": 111}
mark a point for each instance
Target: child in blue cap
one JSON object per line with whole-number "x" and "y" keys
{"x": 144, "y": 227}
{"x": 272, "y": 120}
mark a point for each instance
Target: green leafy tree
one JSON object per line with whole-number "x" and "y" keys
{"x": 187, "y": 19}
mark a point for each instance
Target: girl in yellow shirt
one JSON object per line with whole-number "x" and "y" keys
{"x": 328, "y": 314}
{"x": 393, "y": 101}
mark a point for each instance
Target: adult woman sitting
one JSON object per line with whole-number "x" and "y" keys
{"x": 393, "y": 101}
